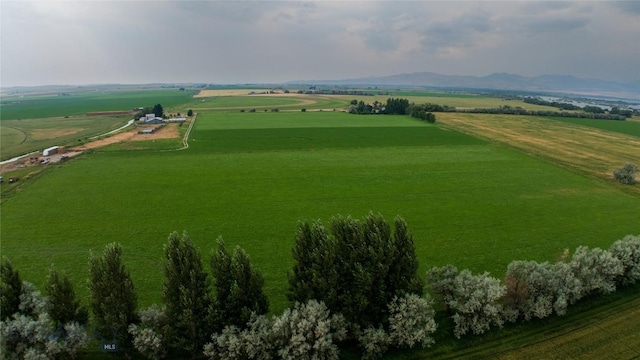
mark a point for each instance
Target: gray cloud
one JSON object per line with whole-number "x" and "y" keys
{"x": 273, "y": 41}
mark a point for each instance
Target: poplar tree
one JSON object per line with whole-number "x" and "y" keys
{"x": 10, "y": 289}
{"x": 358, "y": 270}
{"x": 63, "y": 305}
{"x": 238, "y": 288}
{"x": 187, "y": 296}
{"x": 113, "y": 299}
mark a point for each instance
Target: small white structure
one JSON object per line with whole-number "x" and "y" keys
{"x": 177, "y": 120}
{"x": 50, "y": 151}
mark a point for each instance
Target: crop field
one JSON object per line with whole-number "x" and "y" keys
{"x": 341, "y": 102}
{"x": 468, "y": 186}
{"x": 597, "y": 148}
{"x": 251, "y": 177}
{"x": 34, "y": 107}
{"x": 631, "y": 127}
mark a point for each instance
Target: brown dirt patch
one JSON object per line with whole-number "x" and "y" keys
{"x": 170, "y": 131}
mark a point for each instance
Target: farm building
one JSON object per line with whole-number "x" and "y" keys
{"x": 177, "y": 120}
{"x": 50, "y": 151}
{"x": 155, "y": 120}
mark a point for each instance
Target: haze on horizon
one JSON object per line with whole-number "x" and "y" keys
{"x": 234, "y": 42}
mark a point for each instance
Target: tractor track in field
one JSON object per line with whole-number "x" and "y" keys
{"x": 26, "y": 136}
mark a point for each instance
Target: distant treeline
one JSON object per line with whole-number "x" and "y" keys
{"x": 517, "y": 110}
{"x": 342, "y": 92}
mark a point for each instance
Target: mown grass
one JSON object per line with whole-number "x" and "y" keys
{"x": 584, "y": 149}
{"x": 624, "y": 127}
{"x": 468, "y": 202}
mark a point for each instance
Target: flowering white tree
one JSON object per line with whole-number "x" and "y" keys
{"x": 627, "y": 250}
{"x": 411, "y": 321}
{"x": 596, "y": 269}
{"x": 476, "y": 303}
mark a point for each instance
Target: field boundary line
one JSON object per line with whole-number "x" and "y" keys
{"x": 114, "y": 131}
{"x": 185, "y": 139}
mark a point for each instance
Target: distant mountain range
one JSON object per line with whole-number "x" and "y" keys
{"x": 496, "y": 81}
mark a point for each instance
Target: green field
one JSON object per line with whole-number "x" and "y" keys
{"x": 46, "y": 106}
{"x": 23, "y": 136}
{"x": 623, "y": 127}
{"x": 468, "y": 187}
{"x": 468, "y": 202}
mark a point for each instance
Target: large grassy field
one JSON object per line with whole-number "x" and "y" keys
{"x": 46, "y": 106}
{"x": 23, "y": 136}
{"x": 252, "y": 177}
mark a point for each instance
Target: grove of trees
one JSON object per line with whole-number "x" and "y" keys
{"x": 353, "y": 282}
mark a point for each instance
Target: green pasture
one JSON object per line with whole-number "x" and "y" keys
{"x": 23, "y": 136}
{"x": 247, "y": 101}
{"x": 39, "y": 106}
{"x": 470, "y": 203}
{"x": 625, "y": 127}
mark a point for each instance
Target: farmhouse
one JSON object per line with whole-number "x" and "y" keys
{"x": 151, "y": 119}
{"x": 155, "y": 120}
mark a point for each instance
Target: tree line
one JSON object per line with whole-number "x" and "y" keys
{"x": 353, "y": 282}
{"x": 425, "y": 111}
{"x": 393, "y": 106}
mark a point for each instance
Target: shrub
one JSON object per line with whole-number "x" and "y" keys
{"x": 150, "y": 336}
{"x": 536, "y": 290}
{"x": 307, "y": 331}
{"x": 627, "y": 251}
{"x": 32, "y": 334}
{"x": 411, "y": 321}
{"x": 476, "y": 303}
{"x": 596, "y": 269}
{"x": 626, "y": 174}
{"x": 374, "y": 342}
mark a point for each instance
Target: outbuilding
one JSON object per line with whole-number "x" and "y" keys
{"x": 50, "y": 151}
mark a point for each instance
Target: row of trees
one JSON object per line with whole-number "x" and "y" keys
{"x": 531, "y": 289}
{"x": 395, "y": 106}
{"x": 509, "y": 110}
{"x": 354, "y": 281}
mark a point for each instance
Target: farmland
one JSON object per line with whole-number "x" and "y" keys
{"x": 470, "y": 195}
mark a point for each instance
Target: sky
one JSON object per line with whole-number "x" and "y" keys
{"x": 238, "y": 42}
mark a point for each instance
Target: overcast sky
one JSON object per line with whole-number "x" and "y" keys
{"x": 90, "y": 42}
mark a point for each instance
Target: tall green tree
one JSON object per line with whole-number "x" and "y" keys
{"x": 187, "y": 295}
{"x": 238, "y": 288}
{"x": 314, "y": 275}
{"x": 358, "y": 270}
{"x": 10, "y": 289}
{"x": 64, "y": 307}
{"x": 113, "y": 299}
{"x": 157, "y": 110}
